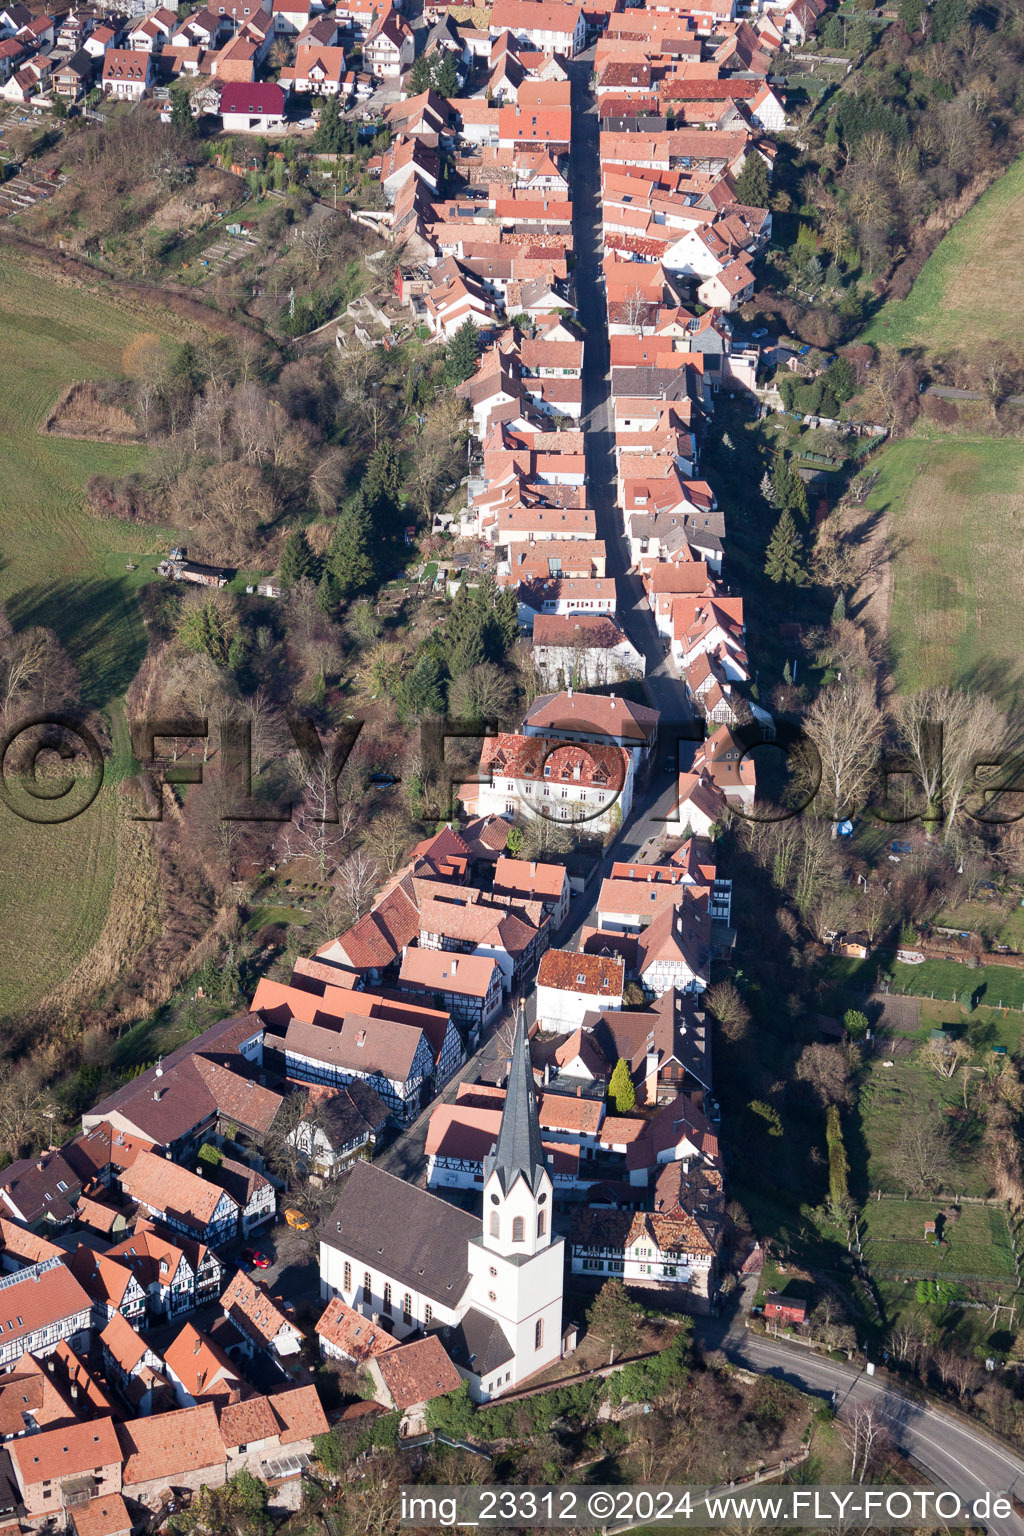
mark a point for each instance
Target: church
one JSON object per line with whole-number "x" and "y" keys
{"x": 490, "y": 1289}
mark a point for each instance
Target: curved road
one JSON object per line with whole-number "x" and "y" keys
{"x": 950, "y": 1451}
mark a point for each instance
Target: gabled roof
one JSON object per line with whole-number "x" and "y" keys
{"x": 171, "y": 1445}
{"x": 172, "y": 1190}
{"x": 416, "y": 1373}
{"x": 352, "y": 1333}
{"x": 422, "y": 1241}
{"x": 69, "y": 1451}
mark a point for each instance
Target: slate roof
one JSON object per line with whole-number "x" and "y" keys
{"x": 411, "y": 1235}
{"x": 519, "y": 1151}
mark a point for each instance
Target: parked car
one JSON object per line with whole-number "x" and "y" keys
{"x": 295, "y": 1219}
{"x": 256, "y": 1258}
{"x": 762, "y": 331}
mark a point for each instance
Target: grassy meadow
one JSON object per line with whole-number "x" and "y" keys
{"x": 64, "y": 569}
{"x": 968, "y": 296}
{"x": 957, "y": 512}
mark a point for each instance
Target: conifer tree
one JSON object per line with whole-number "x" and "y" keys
{"x": 753, "y": 189}
{"x": 461, "y": 354}
{"x": 350, "y": 561}
{"x": 446, "y": 76}
{"x": 296, "y": 559}
{"x": 620, "y": 1088}
{"x": 784, "y": 558}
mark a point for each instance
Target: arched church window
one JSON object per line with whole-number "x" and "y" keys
{"x": 495, "y": 1224}
{"x": 518, "y": 1229}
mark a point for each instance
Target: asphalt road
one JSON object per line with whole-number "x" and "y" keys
{"x": 952, "y": 1453}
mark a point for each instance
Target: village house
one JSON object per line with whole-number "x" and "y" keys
{"x": 177, "y": 1273}
{"x": 264, "y": 1326}
{"x": 181, "y": 1200}
{"x": 200, "y": 1371}
{"x": 127, "y": 73}
{"x": 570, "y": 985}
{"x": 583, "y": 652}
{"x": 468, "y": 987}
{"x": 183, "y": 1449}
{"x": 530, "y": 775}
{"x": 61, "y": 1468}
{"x": 535, "y": 881}
{"x": 41, "y": 1306}
{"x": 255, "y": 108}
{"x": 340, "y": 1126}
{"x": 134, "y": 1370}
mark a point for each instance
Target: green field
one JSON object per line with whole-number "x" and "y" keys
{"x": 958, "y": 578}
{"x": 968, "y": 296}
{"x": 61, "y": 568}
{"x": 66, "y": 570}
{"x": 976, "y": 1244}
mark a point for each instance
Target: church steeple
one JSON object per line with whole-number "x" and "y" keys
{"x": 518, "y": 1151}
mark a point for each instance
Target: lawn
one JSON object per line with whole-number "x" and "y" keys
{"x": 968, "y": 297}
{"x": 66, "y": 570}
{"x": 976, "y": 1245}
{"x": 998, "y": 986}
{"x": 958, "y": 580}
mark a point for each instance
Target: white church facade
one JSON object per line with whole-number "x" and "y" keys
{"x": 491, "y": 1289}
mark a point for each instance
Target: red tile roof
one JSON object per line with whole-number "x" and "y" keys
{"x": 595, "y": 975}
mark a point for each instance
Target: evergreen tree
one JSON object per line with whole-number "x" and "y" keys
{"x": 381, "y": 485}
{"x": 461, "y": 354}
{"x": 207, "y": 631}
{"x": 328, "y": 598}
{"x": 514, "y": 842}
{"x": 839, "y": 609}
{"x": 753, "y": 188}
{"x": 296, "y": 559}
{"x": 332, "y": 135}
{"x": 506, "y": 618}
{"x": 910, "y": 12}
{"x": 784, "y": 558}
{"x": 620, "y": 1088}
{"x": 841, "y": 379}
{"x": 420, "y": 692}
{"x": 349, "y": 561}
{"x": 949, "y": 16}
{"x": 240, "y": 661}
{"x": 181, "y": 113}
{"x": 421, "y": 75}
{"x": 615, "y": 1318}
{"x": 446, "y": 76}
{"x": 767, "y": 489}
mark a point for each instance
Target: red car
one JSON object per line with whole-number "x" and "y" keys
{"x": 254, "y": 1257}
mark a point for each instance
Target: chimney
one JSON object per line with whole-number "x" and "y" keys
{"x": 579, "y": 1090}
{"x": 533, "y": 867}
{"x": 455, "y": 967}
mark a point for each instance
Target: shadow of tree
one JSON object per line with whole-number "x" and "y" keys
{"x": 97, "y": 623}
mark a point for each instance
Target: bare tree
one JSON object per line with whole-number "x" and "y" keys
{"x": 388, "y": 837}
{"x": 21, "y": 1107}
{"x": 826, "y": 1069}
{"x": 865, "y": 1437}
{"x": 356, "y": 881}
{"x": 946, "y": 1057}
{"x": 314, "y": 832}
{"x": 904, "y": 1344}
{"x": 22, "y": 657}
{"x": 948, "y": 733}
{"x": 844, "y": 723}
{"x": 920, "y": 1157}
{"x": 725, "y": 1002}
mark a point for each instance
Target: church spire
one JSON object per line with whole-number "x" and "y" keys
{"x": 518, "y": 1150}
